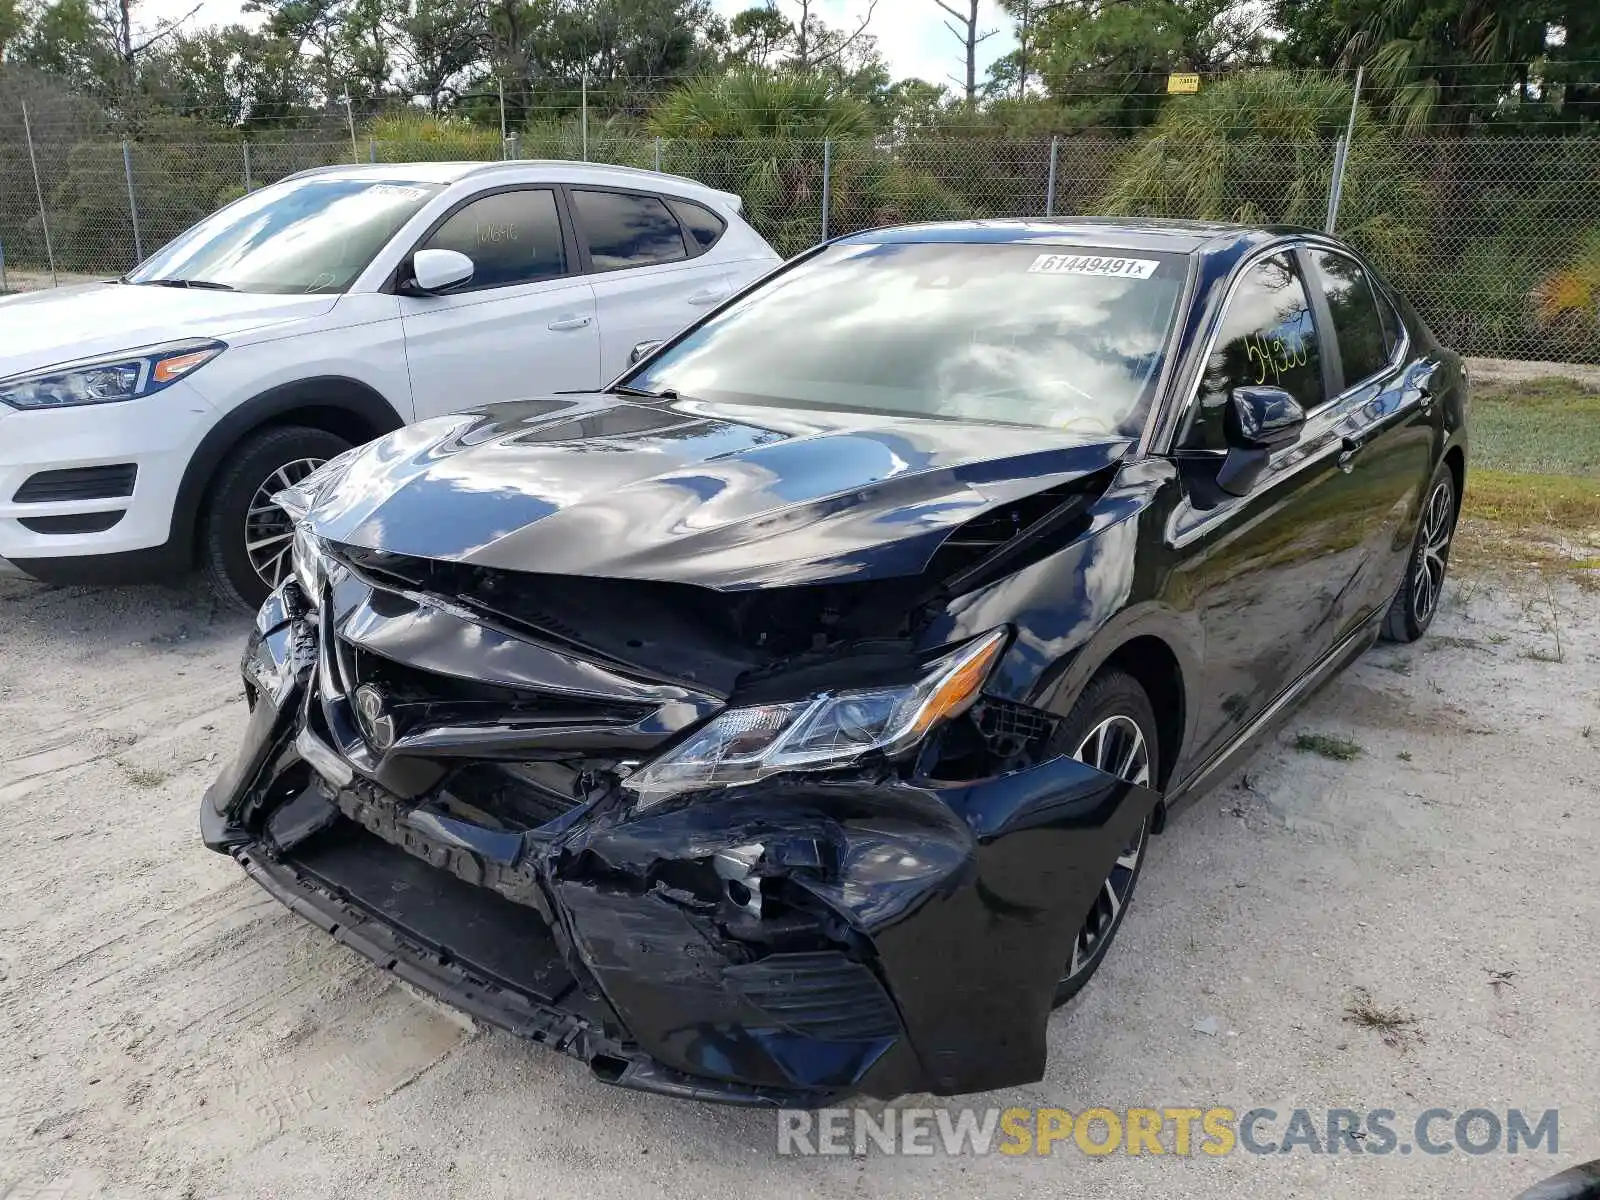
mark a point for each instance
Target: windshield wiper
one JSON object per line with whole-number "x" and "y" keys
{"x": 209, "y": 284}
{"x": 624, "y": 389}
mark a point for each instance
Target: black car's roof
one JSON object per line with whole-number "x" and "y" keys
{"x": 1181, "y": 237}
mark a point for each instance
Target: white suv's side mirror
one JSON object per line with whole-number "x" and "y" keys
{"x": 435, "y": 270}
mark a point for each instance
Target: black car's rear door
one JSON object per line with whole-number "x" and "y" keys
{"x": 1387, "y": 423}
{"x": 1264, "y": 574}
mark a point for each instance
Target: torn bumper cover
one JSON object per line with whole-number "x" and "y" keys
{"x": 788, "y": 941}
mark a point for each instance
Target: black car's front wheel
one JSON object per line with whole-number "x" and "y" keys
{"x": 1414, "y": 605}
{"x": 1112, "y": 727}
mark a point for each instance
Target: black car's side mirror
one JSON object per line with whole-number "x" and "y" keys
{"x": 1257, "y": 421}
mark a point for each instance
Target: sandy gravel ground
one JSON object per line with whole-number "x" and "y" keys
{"x": 166, "y": 1030}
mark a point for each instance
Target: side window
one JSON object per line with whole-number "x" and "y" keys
{"x": 511, "y": 237}
{"x": 627, "y": 230}
{"x": 702, "y": 226}
{"x": 1393, "y": 333}
{"x": 1267, "y": 337}
{"x": 1357, "y": 322}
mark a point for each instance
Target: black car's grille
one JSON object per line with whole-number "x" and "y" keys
{"x": 78, "y": 483}
{"x": 823, "y": 995}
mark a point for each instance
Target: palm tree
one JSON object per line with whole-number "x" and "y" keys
{"x": 1442, "y": 65}
{"x": 759, "y": 132}
{"x": 755, "y": 102}
{"x": 1259, "y": 148}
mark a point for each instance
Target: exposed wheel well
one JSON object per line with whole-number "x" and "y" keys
{"x": 1149, "y": 660}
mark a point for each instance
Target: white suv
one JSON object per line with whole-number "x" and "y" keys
{"x": 144, "y": 423}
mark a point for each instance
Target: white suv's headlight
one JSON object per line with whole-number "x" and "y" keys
{"x": 828, "y": 730}
{"x": 108, "y": 379}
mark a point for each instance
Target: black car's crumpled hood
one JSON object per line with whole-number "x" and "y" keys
{"x": 597, "y": 484}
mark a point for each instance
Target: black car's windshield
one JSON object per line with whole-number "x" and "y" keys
{"x": 302, "y": 235}
{"x": 1060, "y": 337}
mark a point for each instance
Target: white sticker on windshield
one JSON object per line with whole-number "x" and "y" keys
{"x": 1094, "y": 264}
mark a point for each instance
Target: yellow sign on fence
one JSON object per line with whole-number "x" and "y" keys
{"x": 1185, "y": 84}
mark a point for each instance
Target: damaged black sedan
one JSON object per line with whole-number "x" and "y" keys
{"x": 789, "y": 720}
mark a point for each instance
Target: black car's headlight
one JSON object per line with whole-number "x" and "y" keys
{"x": 820, "y": 732}
{"x": 108, "y": 379}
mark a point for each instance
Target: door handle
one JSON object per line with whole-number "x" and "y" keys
{"x": 561, "y": 324}
{"x": 708, "y": 296}
{"x": 1348, "y": 449}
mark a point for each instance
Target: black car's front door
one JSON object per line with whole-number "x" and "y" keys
{"x": 1264, "y": 573}
{"x": 1387, "y": 426}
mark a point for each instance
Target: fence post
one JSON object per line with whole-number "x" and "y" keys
{"x": 1335, "y": 183}
{"x": 1341, "y": 156}
{"x": 133, "y": 204}
{"x": 513, "y": 145}
{"x": 38, "y": 190}
{"x": 658, "y": 154}
{"x": 1050, "y": 182}
{"x": 247, "y": 184}
{"x": 827, "y": 179}
{"x": 585, "y": 87}
{"x": 372, "y": 149}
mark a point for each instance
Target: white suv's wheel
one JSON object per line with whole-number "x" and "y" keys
{"x": 244, "y": 538}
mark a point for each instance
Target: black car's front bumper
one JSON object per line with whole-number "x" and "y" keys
{"x": 909, "y": 935}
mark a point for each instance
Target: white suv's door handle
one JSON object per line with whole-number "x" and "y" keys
{"x": 564, "y": 323}
{"x": 708, "y": 296}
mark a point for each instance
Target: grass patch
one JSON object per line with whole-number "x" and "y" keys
{"x": 1337, "y": 748}
{"x": 1397, "y": 1027}
{"x": 1566, "y": 502}
{"x": 1550, "y": 523}
{"x": 1547, "y": 426}
{"x": 144, "y": 777}
{"x": 1533, "y": 487}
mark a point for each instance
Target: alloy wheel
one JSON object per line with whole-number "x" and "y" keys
{"x": 268, "y": 531}
{"x": 1118, "y": 747}
{"x": 1433, "y": 552}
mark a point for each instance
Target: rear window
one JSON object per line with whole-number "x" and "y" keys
{"x": 702, "y": 226}
{"x": 1058, "y": 337}
{"x": 1357, "y": 322}
{"x": 625, "y": 229}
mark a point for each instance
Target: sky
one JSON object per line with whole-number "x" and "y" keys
{"x": 910, "y": 33}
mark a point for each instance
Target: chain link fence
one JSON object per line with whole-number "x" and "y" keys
{"x": 1496, "y": 241}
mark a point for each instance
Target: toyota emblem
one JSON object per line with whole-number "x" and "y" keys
{"x": 375, "y": 722}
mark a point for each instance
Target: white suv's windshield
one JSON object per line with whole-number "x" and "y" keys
{"x": 302, "y": 235}
{"x": 1062, "y": 337}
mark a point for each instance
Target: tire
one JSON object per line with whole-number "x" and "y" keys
{"x": 236, "y": 512}
{"x": 1417, "y": 602}
{"x": 1113, "y": 704}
